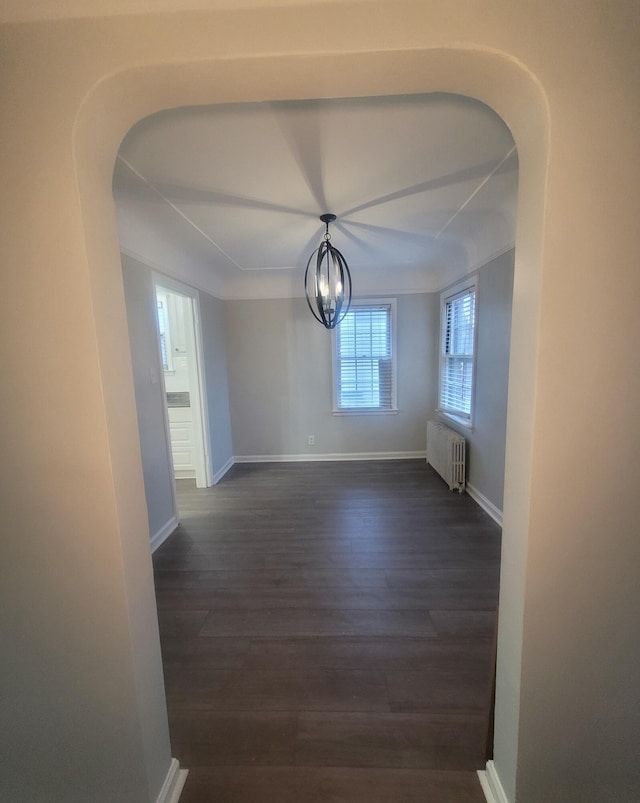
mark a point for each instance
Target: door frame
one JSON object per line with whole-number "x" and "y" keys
{"x": 197, "y": 383}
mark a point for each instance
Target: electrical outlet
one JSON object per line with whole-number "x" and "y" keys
{"x": 311, "y": 440}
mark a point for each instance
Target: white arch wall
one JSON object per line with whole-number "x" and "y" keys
{"x": 455, "y": 70}
{"x": 79, "y": 557}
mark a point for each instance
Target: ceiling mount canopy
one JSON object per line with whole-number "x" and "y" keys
{"x": 327, "y": 284}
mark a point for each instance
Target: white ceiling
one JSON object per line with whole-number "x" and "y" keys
{"x": 229, "y": 197}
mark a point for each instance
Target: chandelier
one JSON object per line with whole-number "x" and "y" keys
{"x": 327, "y": 284}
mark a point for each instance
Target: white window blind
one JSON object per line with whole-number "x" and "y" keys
{"x": 364, "y": 371}
{"x": 457, "y": 357}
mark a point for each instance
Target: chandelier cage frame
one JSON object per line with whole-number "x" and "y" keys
{"x": 328, "y": 287}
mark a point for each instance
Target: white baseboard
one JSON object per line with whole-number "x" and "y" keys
{"x": 173, "y": 783}
{"x": 163, "y": 533}
{"x": 221, "y": 472}
{"x": 318, "y": 458}
{"x": 485, "y": 504}
{"x": 491, "y": 784}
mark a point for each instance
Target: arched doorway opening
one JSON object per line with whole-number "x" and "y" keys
{"x": 492, "y": 78}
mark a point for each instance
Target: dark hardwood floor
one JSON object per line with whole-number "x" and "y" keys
{"x": 327, "y": 635}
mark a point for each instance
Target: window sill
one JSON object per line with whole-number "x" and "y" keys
{"x": 461, "y": 422}
{"x": 394, "y": 411}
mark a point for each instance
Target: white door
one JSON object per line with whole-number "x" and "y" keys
{"x": 180, "y": 353}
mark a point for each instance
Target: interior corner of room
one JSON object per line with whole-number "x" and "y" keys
{"x": 265, "y": 366}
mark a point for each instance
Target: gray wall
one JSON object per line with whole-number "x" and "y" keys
{"x": 279, "y": 363}
{"x": 212, "y": 319}
{"x": 268, "y": 380}
{"x": 147, "y": 379}
{"x": 280, "y": 382}
{"x": 150, "y": 402}
{"x": 486, "y": 443}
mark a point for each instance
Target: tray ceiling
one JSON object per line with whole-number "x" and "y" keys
{"x": 229, "y": 197}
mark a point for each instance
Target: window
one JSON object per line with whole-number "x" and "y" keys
{"x": 163, "y": 330}
{"x": 364, "y": 364}
{"x": 457, "y": 350}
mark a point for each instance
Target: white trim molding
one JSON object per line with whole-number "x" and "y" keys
{"x": 388, "y": 306}
{"x": 173, "y": 783}
{"x": 316, "y": 458}
{"x": 163, "y": 533}
{"x": 491, "y": 784}
{"x": 464, "y": 293}
{"x": 485, "y": 504}
{"x": 222, "y": 471}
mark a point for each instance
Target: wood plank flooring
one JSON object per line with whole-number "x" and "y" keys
{"x": 327, "y": 635}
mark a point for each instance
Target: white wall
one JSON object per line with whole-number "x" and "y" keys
{"x": 77, "y": 590}
{"x": 486, "y": 441}
{"x": 280, "y": 382}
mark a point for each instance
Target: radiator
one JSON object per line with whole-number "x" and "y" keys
{"x": 446, "y": 453}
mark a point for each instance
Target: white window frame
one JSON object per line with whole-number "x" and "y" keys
{"x": 460, "y": 417}
{"x": 363, "y": 303}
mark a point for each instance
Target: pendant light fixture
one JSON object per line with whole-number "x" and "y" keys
{"x": 327, "y": 283}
